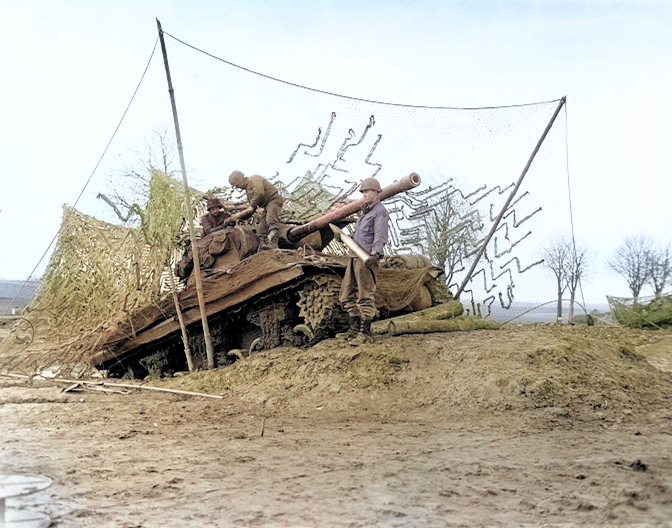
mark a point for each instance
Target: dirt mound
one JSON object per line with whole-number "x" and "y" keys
{"x": 522, "y": 426}
{"x": 579, "y": 371}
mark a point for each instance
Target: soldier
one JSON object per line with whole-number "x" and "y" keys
{"x": 359, "y": 283}
{"x": 260, "y": 193}
{"x": 216, "y": 216}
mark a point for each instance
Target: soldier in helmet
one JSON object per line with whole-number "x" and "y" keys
{"x": 216, "y": 216}
{"x": 359, "y": 283}
{"x": 260, "y": 193}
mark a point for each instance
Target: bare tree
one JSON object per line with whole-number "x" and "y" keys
{"x": 575, "y": 270}
{"x": 132, "y": 184}
{"x": 632, "y": 262}
{"x": 660, "y": 270}
{"x": 451, "y": 233}
{"x": 556, "y": 257}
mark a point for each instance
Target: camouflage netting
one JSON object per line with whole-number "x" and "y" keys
{"x": 398, "y": 289}
{"x": 100, "y": 272}
{"x": 96, "y": 272}
{"x": 647, "y": 312}
{"x": 493, "y": 194}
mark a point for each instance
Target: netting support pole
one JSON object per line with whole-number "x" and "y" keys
{"x": 190, "y": 213}
{"x": 180, "y": 318}
{"x": 495, "y": 225}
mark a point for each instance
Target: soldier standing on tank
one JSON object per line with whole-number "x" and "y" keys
{"x": 216, "y": 216}
{"x": 260, "y": 193}
{"x": 359, "y": 283}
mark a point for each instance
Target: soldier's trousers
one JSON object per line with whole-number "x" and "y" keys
{"x": 270, "y": 216}
{"x": 358, "y": 289}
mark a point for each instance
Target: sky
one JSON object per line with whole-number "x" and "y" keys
{"x": 69, "y": 68}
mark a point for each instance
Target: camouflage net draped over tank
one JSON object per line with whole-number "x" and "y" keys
{"x": 397, "y": 289}
{"x": 100, "y": 272}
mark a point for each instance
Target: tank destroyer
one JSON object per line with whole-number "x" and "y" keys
{"x": 256, "y": 299}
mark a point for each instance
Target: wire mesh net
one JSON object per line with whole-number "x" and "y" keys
{"x": 232, "y": 118}
{"x": 317, "y": 147}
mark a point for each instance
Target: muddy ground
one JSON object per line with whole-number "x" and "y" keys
{"x": 523, "y": 426}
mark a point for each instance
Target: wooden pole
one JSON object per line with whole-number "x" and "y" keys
{"x": 122, "y": 385}
{"x": 190, "y": 213}
{"x": 180, "y": 318}
{"x": 509, "y": 199}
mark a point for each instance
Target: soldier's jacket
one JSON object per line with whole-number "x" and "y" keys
{"x": 371, "y": 230}
{"x": 210, "y": 222}
{"x": 260, "y": 192}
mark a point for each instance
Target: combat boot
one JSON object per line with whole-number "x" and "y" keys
{"x": 271, "y": 240}
{"x": 364, "y": 334}
{"x": 365, "y": 331}
{"x": 353, "y": 329}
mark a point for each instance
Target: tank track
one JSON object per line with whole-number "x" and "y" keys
{"x": 311, "y": 301}
{"x": 298, "y": 314}
{"x": 318, "y": 303}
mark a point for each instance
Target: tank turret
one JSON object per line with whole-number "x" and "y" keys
{"x": 224, "y": 248}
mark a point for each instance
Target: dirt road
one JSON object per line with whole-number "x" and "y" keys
{"x": 538, "y": 426}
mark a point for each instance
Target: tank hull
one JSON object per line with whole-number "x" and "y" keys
{"x": 257, "y": 298}
{"x": 271, "y": 298}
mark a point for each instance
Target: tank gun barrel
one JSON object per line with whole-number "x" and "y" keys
{"x": 404, "y": 184}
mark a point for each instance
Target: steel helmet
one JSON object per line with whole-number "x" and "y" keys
{"x": 214, "y": 202}
{"x": 236, "y": 178}
{"x": 370, "y": 184}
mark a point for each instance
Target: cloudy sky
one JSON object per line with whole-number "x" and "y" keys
{"x": 68, "y": 69}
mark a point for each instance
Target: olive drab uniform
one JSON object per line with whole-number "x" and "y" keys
{"x": 214, "y": 221}
{"x": 262, "y": 193}
{"x": 359, "y": 283}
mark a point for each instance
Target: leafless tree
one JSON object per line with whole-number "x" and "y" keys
{"x": 576, "y": 269}
{"x": 660, "y": 270}
{"x": 556, "y": 256}
{"x": 451, "y": 233}
{"x": 130, "y": 185}
{"x": 632, "y": 262}
{"x": 569, "y": 263}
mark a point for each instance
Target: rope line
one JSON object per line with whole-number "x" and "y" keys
{"x": 89, "y": 178}
{"x": 569, "y": 193}
{"x": 348, "y": 96}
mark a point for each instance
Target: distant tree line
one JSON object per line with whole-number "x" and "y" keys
{"x": 639, "y": 262}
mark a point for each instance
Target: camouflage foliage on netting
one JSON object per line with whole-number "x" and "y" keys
{"x": 647, "y": 312}
{"x": 98, "y": 269}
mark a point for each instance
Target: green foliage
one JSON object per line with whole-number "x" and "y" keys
{"x": 164, "y": 215}
{"x": 657, "y": 313}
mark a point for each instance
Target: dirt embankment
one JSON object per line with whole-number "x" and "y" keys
{"x": 532, "y": 425}
{"x": 582, "y": 369}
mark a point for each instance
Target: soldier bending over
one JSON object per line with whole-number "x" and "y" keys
{"x": 260, "y": 193}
